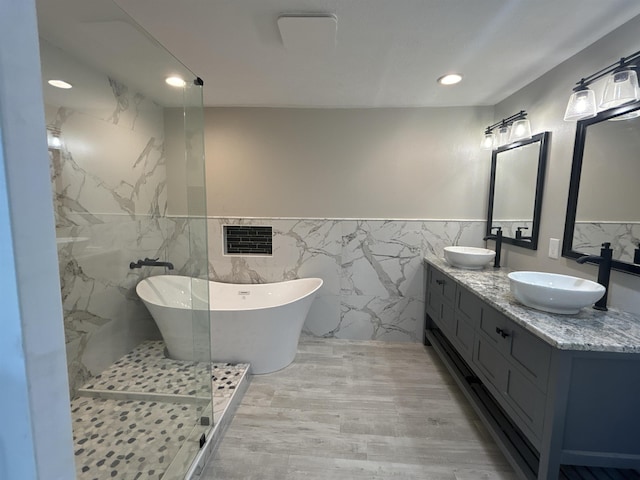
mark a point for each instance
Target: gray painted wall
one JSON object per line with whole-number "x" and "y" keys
{"x": 545, "y": 100}
{"x": 422, "y": 163}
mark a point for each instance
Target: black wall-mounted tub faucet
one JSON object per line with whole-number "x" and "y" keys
{"x": 150, "y": 262}
{"x": 604, "y": 271}
{"x": 498, "y": 239}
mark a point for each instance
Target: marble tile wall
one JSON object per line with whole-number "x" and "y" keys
{"x": 372, "y": 269}
{"x": 108, "y": 179}
{"x": 588, "y": 237}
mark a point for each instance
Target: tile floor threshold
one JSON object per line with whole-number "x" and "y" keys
{"x": 137, "y": 419}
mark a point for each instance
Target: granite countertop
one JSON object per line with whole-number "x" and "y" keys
{"x": 589, "y": 330}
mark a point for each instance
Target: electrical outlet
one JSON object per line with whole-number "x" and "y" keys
{"x": 554, "y": 248}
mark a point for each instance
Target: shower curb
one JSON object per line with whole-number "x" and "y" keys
{"x": 216, "y": 434}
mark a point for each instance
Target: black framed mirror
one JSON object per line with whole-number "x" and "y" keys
{"x": 604, "y": 188}
{"x": 515, "y": 190}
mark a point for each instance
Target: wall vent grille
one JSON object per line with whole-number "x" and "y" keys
{"x": 247, "y": 240}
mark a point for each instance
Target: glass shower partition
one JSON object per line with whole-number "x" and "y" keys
{"x": 127, "y": 164}
{"x": 184, "y": 128}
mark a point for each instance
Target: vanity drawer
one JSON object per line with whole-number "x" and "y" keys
{"x": 442, "y": 284}
{"x": 523, "y": 401}
{"x": 526, "y": 352}
{"x": 497, "y": 328}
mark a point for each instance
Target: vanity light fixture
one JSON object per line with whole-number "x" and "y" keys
{"x": 450, "y": 79}
{"x": 510, "y": 129}
{"x": 621, "y": 88}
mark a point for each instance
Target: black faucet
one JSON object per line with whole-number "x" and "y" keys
{"x": 604, "y": 271}
{"x": 150, "y": 262}
{"x": 519, "y": 233}
{"x": 636, "y": 255}
{"x": 498, "y": 238}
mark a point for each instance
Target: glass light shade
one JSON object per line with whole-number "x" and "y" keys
{"x": 488, "y": 141}
{"x": 520, "y": 130}
{"x": 503, "y": 136}
{"x": 621, "y": 88}
{"x": 626, "y": 116}
{"x": 582, "y": 104}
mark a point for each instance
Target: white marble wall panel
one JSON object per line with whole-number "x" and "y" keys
{"x": 103, "y": 317}
{"x": 105, "y": 168}
{"x": 186, "y": 245}
{"x": 372, "y": 269}
{"x": 588, "y": 237}
{"x": 109, "y": 185}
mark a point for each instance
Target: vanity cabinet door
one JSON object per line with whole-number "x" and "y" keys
{"x": 468, "y": 311}
{"x": 528, "y": 402}
{"x": 530, "y": 355}
{"x": 441, "y": 313}
{"x": 491, "y": 364}
{"x": 514, "y": 392}
{"x": 439, "y": 307}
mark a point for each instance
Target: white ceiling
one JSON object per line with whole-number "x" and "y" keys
{"x": 388, "y": 53}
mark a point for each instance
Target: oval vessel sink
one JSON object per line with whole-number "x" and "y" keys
{"x": 472, "y": 258}
{"x": 552, "y": 292}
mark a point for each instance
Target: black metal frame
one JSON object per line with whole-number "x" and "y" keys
{"x": 543, "y": 138}
{"x": 623, "y": 63}
{"x": 574, "y": 186}
{"x": 506, "y": 122}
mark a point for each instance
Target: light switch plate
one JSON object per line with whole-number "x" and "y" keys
{"x": 554, "y": 248}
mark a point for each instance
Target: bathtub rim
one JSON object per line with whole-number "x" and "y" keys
{"x": 147, "y": 280}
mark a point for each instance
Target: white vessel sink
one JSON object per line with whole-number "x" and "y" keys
{"x": 472, "y": 258}
{"x": 551, "y": 292}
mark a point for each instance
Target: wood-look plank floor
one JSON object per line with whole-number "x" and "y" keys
{"x": 357, "y": 410}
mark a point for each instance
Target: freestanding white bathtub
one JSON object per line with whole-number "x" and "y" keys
{"x": 259, "y": 324}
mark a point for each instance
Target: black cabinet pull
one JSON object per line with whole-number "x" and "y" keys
{"x": 502, "y": 333}
{"x": 440, "y": 282}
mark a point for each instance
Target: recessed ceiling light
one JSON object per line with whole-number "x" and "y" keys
{"x": 175, "y": 82}
{"x": 60, "y": 84}
{"x": 450, "y": 79}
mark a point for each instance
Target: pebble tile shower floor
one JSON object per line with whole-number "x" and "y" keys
{"x": 130, "y": 421}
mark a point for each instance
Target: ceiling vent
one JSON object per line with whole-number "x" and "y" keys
{"x": 308, "y": 34}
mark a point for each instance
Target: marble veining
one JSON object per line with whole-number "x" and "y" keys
{"x": 108, "y": 175}
{"x": 372, "y": 269}
{"x": 588, "y": 330}
{"x": 588, "y": 238}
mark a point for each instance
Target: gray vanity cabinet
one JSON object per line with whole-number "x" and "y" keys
{"x": 510, "y": 385}
{"x": 512, "y": 363}
{"x": 456, "y": 319}
{"x": 573, "y": 407}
